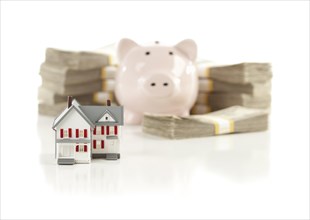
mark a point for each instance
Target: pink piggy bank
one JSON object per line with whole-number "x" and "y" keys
{"x": 156, "y": 79}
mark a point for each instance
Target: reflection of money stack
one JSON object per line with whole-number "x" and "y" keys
{"x": 66, "y": 73}
{"x": 245, "y": 84}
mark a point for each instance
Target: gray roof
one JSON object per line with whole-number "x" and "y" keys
{"x": 66, "y": 111}
{"x": 92, "y": 113}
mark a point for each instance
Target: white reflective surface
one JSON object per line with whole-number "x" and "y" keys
{"x": 151, "y": 163}
{"x": 242, "y": 174}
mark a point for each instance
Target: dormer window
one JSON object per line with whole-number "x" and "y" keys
{"x": 107, "y": 117}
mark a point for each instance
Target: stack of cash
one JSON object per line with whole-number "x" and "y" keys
{"x": 108, "y": 77}
{"x": 71, "y": 73}
{"x": 244, "y": 84}
{"x": 235, "y": 119}
{"x": 107, "y": 86}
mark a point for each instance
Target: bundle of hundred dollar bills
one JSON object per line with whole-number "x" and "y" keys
{"x": 221, "y": 86}
{"x": 86, "y": 75}
{"x": 235, "y": 119}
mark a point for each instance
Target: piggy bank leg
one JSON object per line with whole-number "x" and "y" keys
{"x": 132, "y": 118}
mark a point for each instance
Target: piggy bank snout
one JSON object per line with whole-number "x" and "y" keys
{"x": 159, "y": 85}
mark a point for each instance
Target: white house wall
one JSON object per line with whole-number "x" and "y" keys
{"x": 110, "y": 146}
{"x": 74, "y": 144}
{"x": 75, "y": 121}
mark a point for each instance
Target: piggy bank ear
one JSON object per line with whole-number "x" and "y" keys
{"x": 124, "y": 46}
{"x": 189, "y": 48}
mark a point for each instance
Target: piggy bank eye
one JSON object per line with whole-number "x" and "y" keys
{"x": 147, "y": 53}
{"x": 170, "y": 53}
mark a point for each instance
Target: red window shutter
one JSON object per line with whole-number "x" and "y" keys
{"x": 85, "y": 133}
{"x": 102, "y": 130}
{"x": 94, "y": 144}
{"x": 102, "y": 144}
{"x": 77, "y": 133}
{"x": 108, "y": 130}
{"x": 70, "y": 132}
{"x": 61, "y": 133}
{"x": 85, "y": 148}
{"x": 94, "y": 131}
{"x": 115, "y": 129}
{"x": 77, "y": 148}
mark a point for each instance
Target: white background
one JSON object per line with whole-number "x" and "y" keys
{"x": 259, "y": 175}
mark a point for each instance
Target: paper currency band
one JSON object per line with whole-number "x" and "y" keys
{"x": 103, "y": 73}
{"x": 108, "y": 71}
{"x": 210, "y": 85}
{"x": 106, "y": 85}
{"x": 111, "y": 96}
{"x": 110, "y": 60}
{"x": 207, "y": 72}
{"x": 222, "y": 125}
{"x": 95, "y": 97}
{"x": 206, "y": 85}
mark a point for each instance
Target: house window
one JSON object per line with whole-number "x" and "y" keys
{"x": 65, "y": 133}
{"x": 81, "y": 133}
{"x": 70, "y": 132}
{"x": 111, "y": 130}
{"x": 94, "y": 144}
{"x": 77, "y": 133}
{"x": 81, "y": 148}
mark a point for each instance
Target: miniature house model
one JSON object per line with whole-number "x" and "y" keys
{"x": 85, "y": 132}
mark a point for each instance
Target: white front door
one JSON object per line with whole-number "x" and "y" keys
{"x": 66, "y": 150}
{"x": 112, "y": 145}
{"x": 82, "y": 153}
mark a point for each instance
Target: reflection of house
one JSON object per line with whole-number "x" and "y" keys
{"x": 85, "y": 132}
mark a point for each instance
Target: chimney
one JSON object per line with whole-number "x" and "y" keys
{"x": 108, "y": 102}
{"x": 69, "y": 101}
